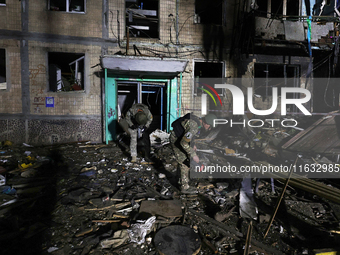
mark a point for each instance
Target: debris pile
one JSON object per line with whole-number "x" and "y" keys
{"x": 85, "y": 198}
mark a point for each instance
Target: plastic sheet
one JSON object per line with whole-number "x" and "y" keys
{"x": 138, "y": 231}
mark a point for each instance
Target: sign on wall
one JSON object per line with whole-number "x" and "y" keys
{"x": 49, "y": 101}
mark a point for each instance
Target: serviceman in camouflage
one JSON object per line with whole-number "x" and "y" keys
{"x": 184, "y": 131}
{"x": 138, "y": 117}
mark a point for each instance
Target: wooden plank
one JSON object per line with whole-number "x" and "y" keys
{"x": 165, "y": 208}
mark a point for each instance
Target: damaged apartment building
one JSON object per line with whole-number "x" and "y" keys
{"x": 289, "y": 44}
{"x": 70, "y": 68}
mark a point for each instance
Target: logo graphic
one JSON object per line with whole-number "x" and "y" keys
{"x": 204, "y": 97}
{"x": 238, "y": 100}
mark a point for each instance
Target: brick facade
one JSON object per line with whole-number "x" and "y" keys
{"x": 27, "y": 27}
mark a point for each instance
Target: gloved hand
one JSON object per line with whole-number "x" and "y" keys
{"x": 134, "y": 126}
{"x": 196, "y": 159}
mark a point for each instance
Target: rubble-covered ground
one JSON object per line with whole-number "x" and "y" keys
{"x": 85, "y": 198}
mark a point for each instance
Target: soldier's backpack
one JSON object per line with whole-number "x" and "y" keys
{"x": 177, "y": 126}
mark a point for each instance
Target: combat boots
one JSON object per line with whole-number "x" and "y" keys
{"x": 133, "y": 159}
{"x": 186, "y": 189}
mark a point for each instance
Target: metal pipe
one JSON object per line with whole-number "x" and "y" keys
{"x": 118, "y": 24}
{"x": 180, "y": 95}
{"x": 177, "y": 20}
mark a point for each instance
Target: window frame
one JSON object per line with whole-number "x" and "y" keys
{"x": 7, "y": 71}
{"x": 267, "y": 68}
{"x": 272, "y": 14}
{"x": 143, "y": 12}
{"x": 198, "y": 92}
{"x": 209, "y": 7}
{"x": 67, "y": 7}
{"x": 75, "y": 61}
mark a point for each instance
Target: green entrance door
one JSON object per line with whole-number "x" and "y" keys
{"x": 161, "y": 95}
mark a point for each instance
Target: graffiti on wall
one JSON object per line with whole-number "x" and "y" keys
{"x": 41, "y": 69}
{"x": 38, "y": 100}
{"x": 111, "y": 113}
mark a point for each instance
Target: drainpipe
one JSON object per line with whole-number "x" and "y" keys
{"x": 127, "y": 40}
{"x": 105, "y": 25}
{"x": 180, "y": 96}
{"x": 25, "y": 73}
{"x": 177, "y": 32}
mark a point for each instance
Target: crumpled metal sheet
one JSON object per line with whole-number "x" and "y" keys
{"x": 138, "y": 231}
{"x": 159, "y": 137}
{"x": 248, "y": 207}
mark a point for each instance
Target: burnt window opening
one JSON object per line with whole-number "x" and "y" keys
{"x": 3, "y": 82}
{"x": 277, "y": 9}
{"x": 75, "y": 6}
{"x": 262, "y": 8}
{"x": 142, "y": 18}
{"x": 66, "y": 71}
{"x": 327, "y": 8}
{"x": 293, "y": 8}
{"x": 208, "y": 12}
{"x": 203, "y": 70}
{"x": 268, "y": 76}
{"x": 2, "y": 2}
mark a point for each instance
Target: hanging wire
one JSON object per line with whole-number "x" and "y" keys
{"x": 159, "y": 89}
{"x": 329, "y": 76}
{"x": 112, "y": 25}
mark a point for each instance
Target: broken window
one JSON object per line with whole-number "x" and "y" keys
{"x": 3, "y": 83}
{"x": 66, "y": 71}
{"x": 325, "y": 8}
{"x": 207, "y": 70}
{"x": 142, "y": 18}
{"x": 66, "y": 5}
{"x": 208, "y": 12}
{"x": 268, "y": 76}
{"x": 2, "y": 2}
{"x": 278, "y": 8}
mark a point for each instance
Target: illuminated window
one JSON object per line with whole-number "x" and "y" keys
{"x": 67, "y": 5}
{"x": 3, "y": 82}
{"x": 142, "y": 18}
{"x": 66, "y": 71}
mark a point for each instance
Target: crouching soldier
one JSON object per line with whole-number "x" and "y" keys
{"x": 138, "y": 117}
{"x": 184, "y": 131}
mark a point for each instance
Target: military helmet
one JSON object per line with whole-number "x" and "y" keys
{"x": 209, "y": 119}
{"x": 141, "y": 118}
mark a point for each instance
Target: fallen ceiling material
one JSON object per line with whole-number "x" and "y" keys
{"x": 309, "y": 185}
{"x": 321, "y": 137}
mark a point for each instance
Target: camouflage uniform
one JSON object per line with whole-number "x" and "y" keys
{"x": 130, "y": 120}
{"x": 182, "y": 149}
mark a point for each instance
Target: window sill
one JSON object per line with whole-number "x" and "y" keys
{"x": 77, "y": 12}
{"x": 71, "y": 91}
{"x": 131, "y": 39}
{"x": 3, "y": 86}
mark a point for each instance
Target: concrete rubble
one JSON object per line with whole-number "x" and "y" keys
{"x": 86, "y": 198}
